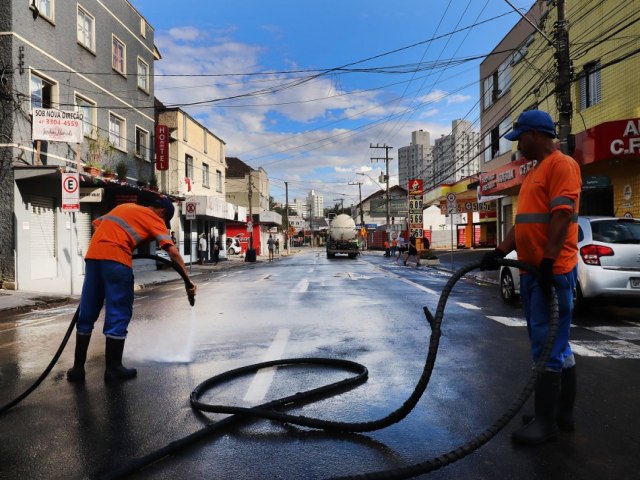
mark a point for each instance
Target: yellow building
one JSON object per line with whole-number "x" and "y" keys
{"x": 603, "y": 46}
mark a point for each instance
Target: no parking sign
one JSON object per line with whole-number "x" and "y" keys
{"x": 70, "y": 192}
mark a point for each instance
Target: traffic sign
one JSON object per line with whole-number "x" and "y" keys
{"x": 190, "y": 210}
{"x": 452, "y": 207}
{"x": 70, "y": 192}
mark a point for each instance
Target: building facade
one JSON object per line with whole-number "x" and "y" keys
{"x": 196, "y": 174}
{"x": 416, "y": 159}
{"x": 455, "y": 156}
{"x": 93, "y": 58}
{"x": 315, "y": 203}
{"x": 605, "y": 130}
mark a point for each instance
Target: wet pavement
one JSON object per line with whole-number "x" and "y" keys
{"x": 367, "y": 310}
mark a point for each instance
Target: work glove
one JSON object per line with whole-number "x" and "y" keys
{"x": 490, "y": 260}
{"x": 545, "y": 277}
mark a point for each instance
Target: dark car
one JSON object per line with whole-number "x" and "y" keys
{"x": 608, "y": 264}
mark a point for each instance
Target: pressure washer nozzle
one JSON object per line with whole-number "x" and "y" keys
{"x": 192, "y": 300}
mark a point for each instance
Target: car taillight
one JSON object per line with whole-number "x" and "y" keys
{"x": 591, "y": 253}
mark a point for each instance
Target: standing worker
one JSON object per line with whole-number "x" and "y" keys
{"x": 546, "y": 235}
{"x": 109, "y": 279}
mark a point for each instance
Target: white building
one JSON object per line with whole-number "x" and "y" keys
{"x": 455, "y": 156}
{"x": 315, "y": 203}
{"x": 416, "y": 159}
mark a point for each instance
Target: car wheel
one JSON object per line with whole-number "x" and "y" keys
{"x": 230, "y": 251}
{"x": 507, "y": 287}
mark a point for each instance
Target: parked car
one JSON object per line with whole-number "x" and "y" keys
{"x": 233, "y": 246}
{"x": 608, "y": 264}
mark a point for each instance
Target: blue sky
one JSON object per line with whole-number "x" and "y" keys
{"x": 266, "y": 77}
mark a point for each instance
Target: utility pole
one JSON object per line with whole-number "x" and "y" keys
{"x": 386, "y": 178}
{"x": 286, "y": 215}
{"x": 563, "y": 81}
{"x": 360, "y": 194}
{"x": 250, "y": 212}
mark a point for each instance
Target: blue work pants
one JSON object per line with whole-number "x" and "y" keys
{"x": 110, "y": 282}
{"x": 537, "y": 312}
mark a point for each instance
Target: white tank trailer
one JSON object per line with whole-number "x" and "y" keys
{"x": 341, "y": 237}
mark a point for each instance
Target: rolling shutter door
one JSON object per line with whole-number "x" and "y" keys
{"x": 43, "y": 227}
{"x": 83, "y": 231}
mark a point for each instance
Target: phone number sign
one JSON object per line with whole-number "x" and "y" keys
{"x": 57, "y": 125}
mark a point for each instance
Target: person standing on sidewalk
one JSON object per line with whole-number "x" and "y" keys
{"x": 216, "y": 252}
{"x": 202, "y": 249}
{"x": 109, "y": 279}
{"x": 270, "y": 246}
{"x": 546, "y": 235}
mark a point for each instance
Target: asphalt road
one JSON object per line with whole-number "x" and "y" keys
{"x": 367, "y": 310}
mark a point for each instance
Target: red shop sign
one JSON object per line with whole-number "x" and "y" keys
{"x": 617, "y": 139}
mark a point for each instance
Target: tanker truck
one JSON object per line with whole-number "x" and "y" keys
{"x": 341, "y": 237}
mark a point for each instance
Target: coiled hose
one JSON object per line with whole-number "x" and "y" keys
{"x": 270, "y": 410}
{"x": 8, "y": 406}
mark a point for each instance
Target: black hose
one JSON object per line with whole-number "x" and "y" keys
{"x": 67, "y": 335}
{"x": 269, "y": 410}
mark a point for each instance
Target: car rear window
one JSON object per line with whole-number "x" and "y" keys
{"x": 616, "y": 231}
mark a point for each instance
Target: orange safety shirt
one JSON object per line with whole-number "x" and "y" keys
{"x": 554, "y": 184}
{"x": 119, "y": 232}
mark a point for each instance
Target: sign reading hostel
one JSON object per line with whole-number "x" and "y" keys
{"x": 70, "y": 192}
{"x": 57, "y": 125}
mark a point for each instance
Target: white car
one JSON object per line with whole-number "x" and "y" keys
{"x": 608, "y": 264}
{"x": 233, "y": 246}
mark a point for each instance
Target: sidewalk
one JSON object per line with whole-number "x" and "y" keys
{"x": 22, "y": 301}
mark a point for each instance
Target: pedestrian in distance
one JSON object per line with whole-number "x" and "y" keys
{"x": 109, "y": 279}
{"x": 401, "y": 248}
{"x": 173, "y": 238}
{"x": 270, "y": 246}
{"x": 202, "y": 249}
{"x": 412, "y": 250}
{"x": 278, "y": 246}
{"x": 387, "y": 249}
{"x": 394, "y": 246}
{"x": 216, "y": 252}
{"x": 546, "y": 235}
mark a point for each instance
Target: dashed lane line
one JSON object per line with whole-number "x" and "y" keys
{"x": 264, "y": 377}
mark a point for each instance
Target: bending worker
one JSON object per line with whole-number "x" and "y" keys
{"x": 109, "y": 279}
{"x": 546, "y": 235}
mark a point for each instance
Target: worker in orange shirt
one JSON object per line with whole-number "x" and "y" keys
{"x": 109, "y": 279}
{"x": 387, "y": 249}
{"x": 545, "y": 234}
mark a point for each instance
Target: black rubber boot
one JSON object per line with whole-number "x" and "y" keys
{"x": 76, "y": 373}
{"x": 115, "y": 371}
{"x": 567, "y": 399}
{"x": 543, "y": 427}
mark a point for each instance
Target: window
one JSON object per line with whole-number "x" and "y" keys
{"x": 86, "y": 29}
{"x": 88, "y": 109}
{"x": 487, "y": 92}
{"x": 118, "y": 52}
{"x": 205, "y": 175}
{"x": 42, "y": 91}
{"x": 218, "y": 181}
{"x": 504, "y": 77}
{"x": 143, "y": 28}
{"x": 117, "y": 131}
{"x": 142, "y": 144}
{"x": 590, "y": 88}
{"x": 45, "y": 8}
{"x": 503, "y": 129}
{"x": 204, "y": 133}
{"x": 143, "y": 75}
{"x": 188, "y": 166}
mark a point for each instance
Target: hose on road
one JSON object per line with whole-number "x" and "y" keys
{"x": 271, "y": 409}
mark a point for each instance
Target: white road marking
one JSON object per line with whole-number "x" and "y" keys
{"x": 622, "y": 333}
{"x": 418, "y": 286}
{"x": 619, "y": 349}
{"x": 263, "y": 379}
{"x": 30, "y": 324}
{"x": 301, "y": 287}
{"x": 140, "y": 298}
{"x": 468, "y": 306}
{"x": 509, "y": 321}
